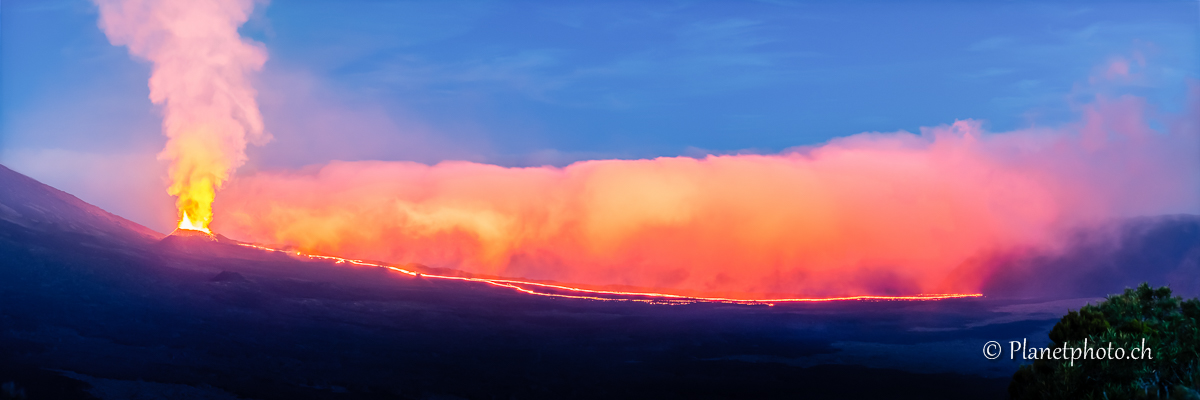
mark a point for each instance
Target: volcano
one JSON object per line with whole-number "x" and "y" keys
{"x": 96, "y": 306}
{"x": 191, "y": 233}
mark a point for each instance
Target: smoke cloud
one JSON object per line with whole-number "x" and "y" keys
{"x": 873, "y": 213}
{"x": 201, "y": 69}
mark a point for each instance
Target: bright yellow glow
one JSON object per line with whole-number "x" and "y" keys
{"x": 194, "y": 225}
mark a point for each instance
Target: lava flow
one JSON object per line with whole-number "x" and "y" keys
{"x": 868, "y": 213}
{"x": 641, "y": 297}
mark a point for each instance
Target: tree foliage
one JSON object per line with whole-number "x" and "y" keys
{"x": 1170, "y": 329}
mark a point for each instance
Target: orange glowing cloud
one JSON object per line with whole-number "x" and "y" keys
{"x": 201, "y": 68}
{"x": 874, "y": 213}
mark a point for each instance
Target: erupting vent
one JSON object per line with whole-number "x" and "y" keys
{"x": 193, "y": 233}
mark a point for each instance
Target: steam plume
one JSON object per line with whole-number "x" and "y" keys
{"x": 874, "y": 213}
{"x": 201, "y": 68}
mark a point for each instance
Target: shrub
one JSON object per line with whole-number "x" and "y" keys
{"x": 1168, "y": 325}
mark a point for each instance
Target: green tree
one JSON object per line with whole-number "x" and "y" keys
{"x": 1170, "y": 329}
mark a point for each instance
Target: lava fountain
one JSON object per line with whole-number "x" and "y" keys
{"x": 201, "y": 70}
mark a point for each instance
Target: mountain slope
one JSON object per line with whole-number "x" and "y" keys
{"x": 89, "y": 293}
{"x": 34, "y": 205}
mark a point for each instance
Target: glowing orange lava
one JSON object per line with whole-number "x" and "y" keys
{"x": 643, "y": 297}
{"x": 187, "y": 222}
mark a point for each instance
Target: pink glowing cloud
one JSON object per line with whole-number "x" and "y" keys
{"x": 874, "y": 213}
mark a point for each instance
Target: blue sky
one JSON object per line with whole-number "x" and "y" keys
{"x": 544, "y": 82}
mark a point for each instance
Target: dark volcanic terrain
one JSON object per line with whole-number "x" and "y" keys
{"x": 95, "y": 306}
